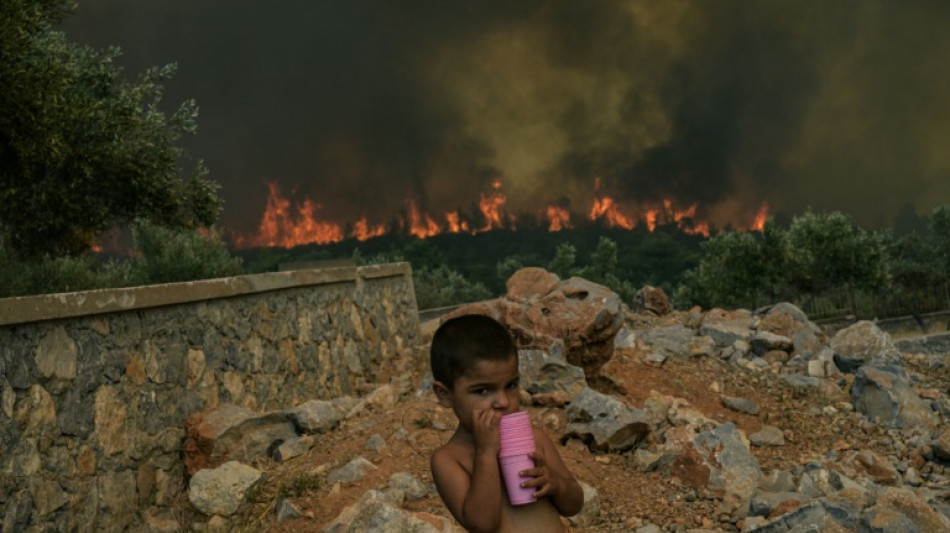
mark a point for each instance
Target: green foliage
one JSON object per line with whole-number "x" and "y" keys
{"x": 442, "y": 286}
{"x": 164, "y": 256}
{"x": 82, "y": 150}
{"x": 565, "y": 256}
{"x": 180, "y": 255}
{"x": 729, "y": 274}
{"x": 827, "y": 250}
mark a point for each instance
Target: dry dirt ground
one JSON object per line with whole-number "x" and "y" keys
{"x": 628, "y": 498}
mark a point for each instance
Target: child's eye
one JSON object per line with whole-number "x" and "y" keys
{"x": 480, "y": 392}
{"x": 513, "y": 385}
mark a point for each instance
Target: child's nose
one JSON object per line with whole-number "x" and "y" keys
{"x": 501, "y": 401}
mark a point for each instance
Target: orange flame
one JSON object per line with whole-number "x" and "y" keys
{"x": 455, "y": 222}
{"x": 286, "y": 226}
{"x": 420, "y": 224}
{"x": 760, "y": 217}
{"x": 490, "y": 205}
{"x": 558, "y": 217}
{"x": 362, "y": 230}
{"x": 606, "y": 207}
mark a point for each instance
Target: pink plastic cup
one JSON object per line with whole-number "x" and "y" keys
{"x": 510, "y": 466}
{"x": 515, "y": 434}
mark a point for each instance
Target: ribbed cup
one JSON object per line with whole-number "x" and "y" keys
{"x": 516, "y": 434}
{"x": 510, "y": 466}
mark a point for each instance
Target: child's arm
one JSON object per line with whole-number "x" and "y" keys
{"x": 552, "y": 477}
{"x": 474, "y": 501}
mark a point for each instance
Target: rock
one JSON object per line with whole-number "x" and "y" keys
{"x": 220, "y": 491}
{"x": 318, "y": 416}
{"x": 727, "y": 327}
{"x": 409, "y": 485}
{"x": 605, "y": 422}
{"x": 789, "y": 321}
{"x": 671, "y": 341}
{"x": 294, "y": 447}
{"x": 763, "y": 503}
{"x": 375, "y": 512}
{"x": 161, "y": 521}
{"x": 56, "y": 355}
{"x": 718, "y": 459}
{"x": 866, "y": 463}
{"x": 646, "y": 461}
{"x": 652, "y": 300}
{"x": 789, "y": 309}
{"x": 375, "y": 442}
{"x": 546, "y": 373}
{"x": 767, "y": 436}
{"x": 811, "y": 516}
{"x": 540, "y": 310}
{"x": 764, "y": 341}
{"x": 884, "y": 393}
{"x": 740, "y": 404}
{"x": 229, "y": 432}
{"x": 798, "y": 381}
{"x": 352, "y": 471}
{"x": 286, "y": 510}
{"x": 941, "y": 446}
{"x": 48, "y": 496}
{"x": 900, "y": 510}
{"x": 861, "y": 344}
{"x": 702, "y": 346}
{"x": 591, "y": 510}
{"x": 625, "y": 339}
{"x": 778, "y": 481}
{"x": 17, "y": 512}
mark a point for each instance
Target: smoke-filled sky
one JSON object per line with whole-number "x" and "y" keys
{"x": 361, "y": 104}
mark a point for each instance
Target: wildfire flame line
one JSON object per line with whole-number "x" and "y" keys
{"x": 287, "y": 226}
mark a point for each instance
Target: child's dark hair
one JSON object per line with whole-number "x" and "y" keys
{"x": 462, "y": 341}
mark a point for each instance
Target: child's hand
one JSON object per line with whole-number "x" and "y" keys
{"x": 485, "y": 430}
{"x": 542, "y": 476}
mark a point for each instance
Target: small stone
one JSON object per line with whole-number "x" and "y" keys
{"x": 375, "y": 442}
{"x": 740, "y": 404}
{"x": 286, "y": 510}
{"x": 352, "y": 471}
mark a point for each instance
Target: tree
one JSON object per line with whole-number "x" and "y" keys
{"x": 563, "y": 262}
{"x": 729, "y": 274}
{"x": 82, "y": 150}
{"x": 828, "y": 251}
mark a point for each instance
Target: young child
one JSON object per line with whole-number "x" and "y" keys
{"x": 475, "y": 370}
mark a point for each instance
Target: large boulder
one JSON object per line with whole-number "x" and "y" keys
{"x": 863, "y": 343}
{"x": 650, "y": 299}
{"x": 542, "y": 310}
{"x": 787, "y": 320}
{"x": 718, "y": 458}
{"x": 230, "y": 432}
{"x": 605, "y": 422}
{"x": 727, "y": 327}
{"x": 221, "y": 491}
{"x": 885, "y": 393}
{"x": 548, "y": 373}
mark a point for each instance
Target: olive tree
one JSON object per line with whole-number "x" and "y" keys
{"x": 81, "y": 148}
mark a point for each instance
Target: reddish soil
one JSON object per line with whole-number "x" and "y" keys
{"x": 629, "y": 498}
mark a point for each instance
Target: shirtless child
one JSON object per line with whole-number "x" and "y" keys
{"x": 475, "y": 370}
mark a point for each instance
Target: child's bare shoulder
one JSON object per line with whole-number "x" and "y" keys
{"x": 452, "y": 452}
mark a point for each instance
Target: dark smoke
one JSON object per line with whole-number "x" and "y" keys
{"x": 361, "y": 104}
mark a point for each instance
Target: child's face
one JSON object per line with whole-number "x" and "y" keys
{"x": 486, "y": 385}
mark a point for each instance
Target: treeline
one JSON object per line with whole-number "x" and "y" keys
{"x": 454, "y": 268}
{"x": 829, "y": 266}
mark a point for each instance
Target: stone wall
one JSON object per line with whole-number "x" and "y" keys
{"x": 95, "y": 386}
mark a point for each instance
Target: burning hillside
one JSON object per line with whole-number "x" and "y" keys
{"x": 287, "y": 224}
